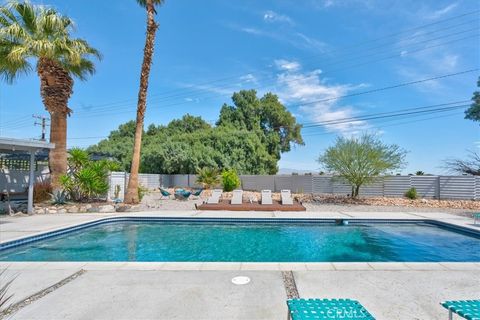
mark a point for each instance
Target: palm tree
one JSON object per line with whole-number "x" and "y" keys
{"x": 37, "y": 33}
{"x": 152, "y": 26}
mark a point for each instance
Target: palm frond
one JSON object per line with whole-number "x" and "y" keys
{"x": 31, "y": 31}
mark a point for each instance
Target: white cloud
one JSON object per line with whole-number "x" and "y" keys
{"x": 248, "y": 78}
{"x": 297, "y": 87}
{"x": 287, "y": 65}
{"x": 441, "y": 12}
{"x": 290, "y": 37}
{"x": 272, "y": 17}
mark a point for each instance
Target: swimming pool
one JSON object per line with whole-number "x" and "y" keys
{"x": 251, "y": 241}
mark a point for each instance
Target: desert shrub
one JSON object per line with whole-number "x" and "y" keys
{"x": 142, "y": 191}
{"x": 42, "y": 191}
{"x": 230, "y": 180}
{"x": 59, "y": 197}
{"x": 411, "y": 194}
{"x": 86, "y": 179}
{"x": 208, "y": 177}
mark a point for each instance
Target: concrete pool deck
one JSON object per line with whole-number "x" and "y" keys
{"x": 198, "y": 290}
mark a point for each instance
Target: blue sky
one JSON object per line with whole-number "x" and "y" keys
{"x": 304, "y": 51}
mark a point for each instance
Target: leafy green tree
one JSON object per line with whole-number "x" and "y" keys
{"x": 33, "y": 33}
{"x": 473, "y": 113}
{"x": 360, "y": 160}
{"x": 267, "y": 117}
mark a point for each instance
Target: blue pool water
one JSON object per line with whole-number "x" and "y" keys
{"x": 207, "y": 241}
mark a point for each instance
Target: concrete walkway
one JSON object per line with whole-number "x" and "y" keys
{"x": 157, "y": 290}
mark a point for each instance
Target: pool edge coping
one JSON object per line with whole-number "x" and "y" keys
{"x": 242, "y": 266}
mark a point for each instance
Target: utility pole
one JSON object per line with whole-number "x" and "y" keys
{"x": 43, "y": 123}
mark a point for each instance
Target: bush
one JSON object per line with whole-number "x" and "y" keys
{"x": 230, "y": 180}
{"x": 86, "y": 179}
{"x": 42, "y": 191}
{"x": 141, "y": 192}
{"x": 208, "y": 177}
{"x": 411, "y": 194}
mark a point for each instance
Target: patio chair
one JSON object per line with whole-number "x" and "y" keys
{"x": 181, "y": 194}
{"x": 476, "y": 216}
{"x": 467, "y": 309}
{"x": 197, "y": 193}
{"x": 165, "y": 193}
{"x": 286, "y": 197}
{"x": 303, "y": 309}
{"x": 267, "y": 197}
{"x": 237, "y": 197}
{"x": 215, "y": 197}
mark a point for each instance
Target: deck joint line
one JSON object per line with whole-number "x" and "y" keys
{"x": 290, "y": 285}
{"x": 40, "y": 294}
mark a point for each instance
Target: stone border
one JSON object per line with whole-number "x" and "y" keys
{"x": 246, "y": 266}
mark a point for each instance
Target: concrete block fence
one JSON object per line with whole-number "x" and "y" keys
{"x": 436, "y": 187}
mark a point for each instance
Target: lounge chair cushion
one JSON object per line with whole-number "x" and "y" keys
{"x": 303, "y": 309}
{"x": 286, "y": 197}
{"x": 267, "y": 197}
{"x": 215, "y": 197}
{"x": 237, "y": 197}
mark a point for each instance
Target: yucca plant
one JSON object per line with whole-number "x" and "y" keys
{"x": 208, "y": 177}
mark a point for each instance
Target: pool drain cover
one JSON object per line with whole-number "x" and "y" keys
{"x": 240, "y": 280}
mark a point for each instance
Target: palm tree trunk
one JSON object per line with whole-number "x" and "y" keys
{"x": 132, "y": 189}
{"x": 56, "y": 87}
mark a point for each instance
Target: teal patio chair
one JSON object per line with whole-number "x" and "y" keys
{"x": 467, "y": 309}
{"x": 309, "y": 309}
{"x": 197, "y": 193}
{"x": 165, "y": 193}
{"x": 181, "y": 194}
{"x": 476, "y": 216}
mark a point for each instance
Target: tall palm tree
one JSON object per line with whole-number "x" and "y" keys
{"x": 37, "y": 33}
{"x": 152, "y": 26}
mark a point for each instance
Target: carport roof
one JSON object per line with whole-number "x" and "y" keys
{"x": 24, "y": 144}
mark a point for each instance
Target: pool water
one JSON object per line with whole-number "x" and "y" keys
{"x": 268, "y": 242}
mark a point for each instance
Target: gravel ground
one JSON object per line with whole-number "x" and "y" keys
{"x": 153, "y": 201}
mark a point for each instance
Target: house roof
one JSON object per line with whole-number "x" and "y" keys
{"x": 12, "y": 144}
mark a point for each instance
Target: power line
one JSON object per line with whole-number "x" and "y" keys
{"x": 335, "y": 50}
{"x": 404, "y": 84}
{"x": 310, "y": 124}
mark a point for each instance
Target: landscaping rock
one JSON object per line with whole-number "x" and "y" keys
{"x": 61, "y": 210}
{"x": 106, "y": 208}
{"x": 73, "y": 209}
{"x": 92, "y": 209}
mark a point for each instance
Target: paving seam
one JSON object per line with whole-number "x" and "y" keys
{"x": 290, "y": 285}
{"x": 40, "y": 294}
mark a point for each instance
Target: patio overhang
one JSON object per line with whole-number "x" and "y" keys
{"x": 30, "y": 146}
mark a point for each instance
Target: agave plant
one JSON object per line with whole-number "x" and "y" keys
{"x": 4, "y": 296}
{"x": 59, "y": 197}
{"x": 208, "y": 177}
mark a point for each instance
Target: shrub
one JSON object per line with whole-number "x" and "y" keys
{"x": 42, "y": 191}
{"x": 411, "y": 194}
{"x": 141, "y": 192}
{"x": 208, "y": 177}
{"x": 230, "y": 180}
{"x": 86, "y": 179}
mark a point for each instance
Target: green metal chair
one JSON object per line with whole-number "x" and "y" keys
{"x": 309, "y": 309}
{"x": 476, "y": 216}
{"x": 467, "y": 309}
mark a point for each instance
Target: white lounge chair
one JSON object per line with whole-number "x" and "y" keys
{"x": 286, "y": 197}
{"x": 237, "y": 197}
{"x": 215, "y": 197}
{"x": 267, "y": 197}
